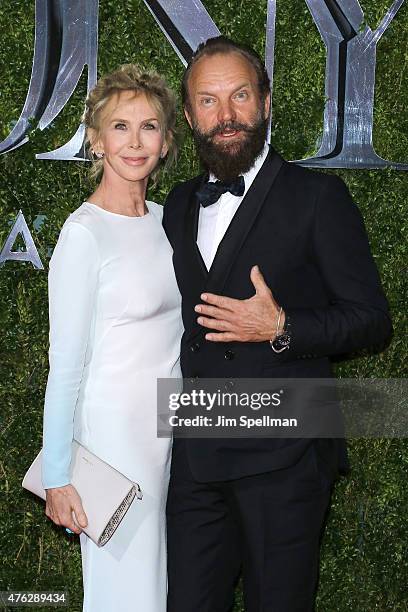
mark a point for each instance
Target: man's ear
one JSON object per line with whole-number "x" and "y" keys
{"x": 188, "y": 117}
{"x": 267, "y": 105}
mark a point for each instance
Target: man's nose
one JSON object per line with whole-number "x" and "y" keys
{"x": 226, "y": 111}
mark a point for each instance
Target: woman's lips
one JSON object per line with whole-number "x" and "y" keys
{"x": 134, "y": 161}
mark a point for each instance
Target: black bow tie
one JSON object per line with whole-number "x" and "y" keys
{"x": 211, "y": 192}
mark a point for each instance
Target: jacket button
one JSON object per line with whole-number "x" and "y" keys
{"x": 229, "y": 355}
{"x": 195, "y": 347}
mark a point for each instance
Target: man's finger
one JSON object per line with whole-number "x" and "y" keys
{"x": 214, "y": 323}
{"x": 258, "y": 281}
{"x": 213, "y": 311}
{"x": 219, "y": 300}
{"x": 222, "y": 337}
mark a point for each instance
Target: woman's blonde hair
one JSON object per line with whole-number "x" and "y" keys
{"x": 131, "y": 77}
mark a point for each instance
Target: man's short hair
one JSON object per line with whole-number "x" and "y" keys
{"x": 222, "y": 44}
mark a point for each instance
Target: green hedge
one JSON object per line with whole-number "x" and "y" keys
{"x": 364, "y": 566}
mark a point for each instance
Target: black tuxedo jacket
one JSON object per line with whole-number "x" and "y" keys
{"x": 308, "y": 238}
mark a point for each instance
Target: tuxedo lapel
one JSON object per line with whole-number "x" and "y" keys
{"x": 242, "y": 223}
{"x": 191, "y": 230}
{"x": 195, "y": 271}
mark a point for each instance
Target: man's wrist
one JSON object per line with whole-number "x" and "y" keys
{"x": 276, "y": 325}
{"x": 282, "y": 323}
{"x": 281, "y": 341}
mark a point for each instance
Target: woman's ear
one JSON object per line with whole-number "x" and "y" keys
{"x": 94, "y": 143}
{"x": 165, "y": 150}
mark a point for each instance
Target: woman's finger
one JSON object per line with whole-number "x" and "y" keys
{"x": 71, "y": 524}
{"x": 79, "y": 514}
{"x": 66, "y": 520}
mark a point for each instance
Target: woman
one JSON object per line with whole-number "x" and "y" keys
{"x": 115, "y": 327}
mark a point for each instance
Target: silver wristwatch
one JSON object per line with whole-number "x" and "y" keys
{"x": 282, "y": 342}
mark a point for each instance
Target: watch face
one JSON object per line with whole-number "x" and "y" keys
{"x": 283, "y": 339}
{"x": 281, "y": 342}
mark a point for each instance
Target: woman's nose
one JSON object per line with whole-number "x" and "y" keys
{"x": 135, "y": 141}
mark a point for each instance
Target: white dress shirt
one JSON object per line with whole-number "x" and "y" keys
{"x": 214, "y": 220}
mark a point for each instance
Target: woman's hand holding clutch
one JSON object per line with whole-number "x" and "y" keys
{"x": 64, "y": 507}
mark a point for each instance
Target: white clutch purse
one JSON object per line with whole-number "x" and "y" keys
{"x": 106, "y": 494}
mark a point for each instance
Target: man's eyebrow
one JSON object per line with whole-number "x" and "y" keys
{"x": 242, "y": 87}
{"x": 207, "y": 93}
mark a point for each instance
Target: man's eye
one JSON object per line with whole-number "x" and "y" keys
{"x": 120, "y": 126}
{"x": 206, "y": 101}
{"x": 241, "y": 95}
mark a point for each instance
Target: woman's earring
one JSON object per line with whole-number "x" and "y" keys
{"x": 99, "y": 155}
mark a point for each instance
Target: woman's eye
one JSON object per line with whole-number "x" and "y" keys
{"x": 120, "y": 126}
{"x": 150, "y": 126}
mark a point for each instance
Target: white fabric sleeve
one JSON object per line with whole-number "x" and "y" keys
{"x": 72, "y": 282}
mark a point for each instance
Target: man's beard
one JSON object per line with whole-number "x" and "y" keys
{"x": 232, "y": 158}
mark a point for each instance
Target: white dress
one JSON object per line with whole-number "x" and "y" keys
{"x": 115, "y": 327}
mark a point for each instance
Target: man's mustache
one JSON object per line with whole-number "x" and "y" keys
{"x": 229, "y": 125}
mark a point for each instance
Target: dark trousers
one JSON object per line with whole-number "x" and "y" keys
{"x": 269, "y": 525}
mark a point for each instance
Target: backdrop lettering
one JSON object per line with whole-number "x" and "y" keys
{"x": 66, "y": 39}
{"x": 70, "y": 27}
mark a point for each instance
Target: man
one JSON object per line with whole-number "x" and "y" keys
{"x": 274, "y": 267}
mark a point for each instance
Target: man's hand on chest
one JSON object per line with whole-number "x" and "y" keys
{"x": 250, "y": 320}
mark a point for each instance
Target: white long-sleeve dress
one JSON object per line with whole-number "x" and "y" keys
{"x": 115, "y": 327}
